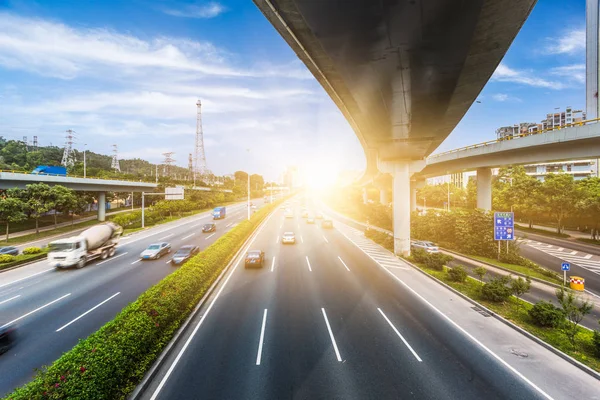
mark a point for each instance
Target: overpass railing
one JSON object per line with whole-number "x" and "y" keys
{"x": 521, "y": 135}
{"x": 71, "y": 176}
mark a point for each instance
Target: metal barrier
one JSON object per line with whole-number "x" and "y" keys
{"x": 71, "y": 176}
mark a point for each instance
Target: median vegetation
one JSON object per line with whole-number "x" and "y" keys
{"x": 112, "y": 361}
{"x": 29, "y": 254}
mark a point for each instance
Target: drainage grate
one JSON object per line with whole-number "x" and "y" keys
{"x": 481, "y": 311}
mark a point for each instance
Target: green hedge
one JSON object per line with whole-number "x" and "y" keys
{"x": 23, "y": 258}
{"x": 112, "y": 361}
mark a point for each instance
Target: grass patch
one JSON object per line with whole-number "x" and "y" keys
{"x": 541, "y": 231}
{"x": 23, "y": 259}
{"x": 521, "y": 269}
{"x": 583, "y": 351}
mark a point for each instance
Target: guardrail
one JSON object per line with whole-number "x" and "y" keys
{"x": 483, "y": 144}
{"x": 71, "y": 176}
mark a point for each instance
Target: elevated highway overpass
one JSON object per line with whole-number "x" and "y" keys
{"x": 403, "y": 72}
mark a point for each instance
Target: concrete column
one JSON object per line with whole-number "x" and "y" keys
{"x": 102, "y": 206}
{"x": 484, "y": 188}
{"x": 383, "y": 197}
{"x": 413, "y": 198}
{"x": 365, "y": 198}
{"x": 401, "y": 208}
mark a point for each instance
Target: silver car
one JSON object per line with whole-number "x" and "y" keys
{"x": 288, "y": 237}
{"x": 429, "y": 247}
{"x": 156, "y": 251}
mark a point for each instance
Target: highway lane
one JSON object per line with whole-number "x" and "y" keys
{"x": 323, "y": 320}
{"x": 53, "y": 309}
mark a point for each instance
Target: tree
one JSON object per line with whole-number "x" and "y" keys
{"x": 480, "y": 272}
{"x": 519, "y": 287}
{"x": 560, "y": 195}
{"x": 574, "y": 309}
{"x": 589, "y": 203}
{"x": 11, "y": 211}
{"x": 39, "y": 201}
{"x": 65, "y": 200}
{"x": 471, "y": 196}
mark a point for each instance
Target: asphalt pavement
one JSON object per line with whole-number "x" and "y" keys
{"x": 336, "y": 316}
{"x": 54, "y": 308}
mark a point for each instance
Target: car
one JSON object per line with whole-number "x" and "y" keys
{"x": 289, "y": 214}
{"x": 10, "y": 250}
{"x": 156, "y": 251}
{"x": 7, "y": 337}
{"x": 304, "y": 214}
{"x": 184, "y": 254}
{"x": 288, "y": 237}
{"x": 254, "y": 258}
{"x": 209, "y": 228}
{"x": 428, "y": 247}
{"x": 253, "y": 206}
{"x": 319, "y": 216}
{"x": 310, "y": 220}
{"x": 327, "y": 224}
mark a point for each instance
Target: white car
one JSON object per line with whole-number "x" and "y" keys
{"x": 429, "y": 247}
{"x": 288, "y": 237}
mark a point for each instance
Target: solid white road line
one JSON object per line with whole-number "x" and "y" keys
{"x": 195, "y": 225}
{"x": 209, "y": 236}
{"x": 36, "y": 310}
{"x": 272, "y": 266}
{"x": 347, "y": 269}
{"x": 301, "y": 239}
{"x": 337, "y": 352}
{"x": 111, "y": 259}
{"x": 27, "y": 277}
{"x": 168, "y": 262}
{"x": 191, "y": 337}
{"x": 164, "y": 237}
{"x": 87, "y": 312}
{"x": 325, "y": 239}
{"x": 262, "y": 338}
{"x": 277, "y": 240}
{"x": 136, "y": 261}
{"x": 400, "y": 336}
{"x": 188, "y": 236}
{"x": 308, "y": 262}
{"x": 228, "y": 225}
{"x": 12, "y": 298}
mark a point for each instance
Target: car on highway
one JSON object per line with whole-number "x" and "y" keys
{"x": 254, "y": 258}
{"x": 10, "y": 250}
{"x": 428, "y": 247}
{"x": 209, "y": 228}
{"x": 155, "y": 251}
{"x": 184, "y": 254}
{"x": 288, "y": 238}
{"x": 327, "y": 224}
{"x": 304, "y": 214}
{"x": 7, "y": 337}
{"x": 253, "y": 206}
{"x": 319, "y": 216}
{"x": 289, "y": 214}
{"x": 310, "y": 220}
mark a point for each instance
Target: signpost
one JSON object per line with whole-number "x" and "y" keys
{"x": 565, "y": 267}
{"x": 504, "y": 228}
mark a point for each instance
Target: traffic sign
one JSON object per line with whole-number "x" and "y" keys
{"x": 504, "y": 226}
{"x": 565, "y": 266}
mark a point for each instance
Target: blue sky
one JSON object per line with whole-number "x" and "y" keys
{"x": 129, "y": 72}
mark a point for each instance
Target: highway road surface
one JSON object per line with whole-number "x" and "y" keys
{"x": 53, "y": 309}
{"x": 337, "y": 317}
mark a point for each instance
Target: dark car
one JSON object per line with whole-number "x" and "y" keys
{"x": 327, "y": 224}
{"x": 254, "y": 258}
{"x": 184, "y": 254}
{"x": 7, "y": 338}
{"x": 209, "y": 228}
{"x": 13, "y": 251}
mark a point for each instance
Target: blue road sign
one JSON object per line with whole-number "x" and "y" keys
{"x": 504, "y": 226}
{"x": 565, "y": 266}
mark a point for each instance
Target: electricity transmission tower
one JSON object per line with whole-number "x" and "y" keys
{"x": 191, "y": 165}
{"x": 168, "y": 161}
{"x": 35, "y": 143}
{"x": 115, "y": 160}
{"x": 68, "y": 158}
{"x": 199, "y": 154}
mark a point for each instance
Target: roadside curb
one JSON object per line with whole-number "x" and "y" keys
{"x": 539, "y": 341}
{"x": 153, "y": 371}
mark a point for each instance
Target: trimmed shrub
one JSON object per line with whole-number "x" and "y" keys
{"x": 497, "y": 290}
{"x": 437, "y": 261}
{"x": 457, "y": 273}
{"x": 419, "y": 255}
{"x": 545, "y": 314}
{"x": 6, "y": 258}
{"x": 597, "y": 342}
{"x": 32, "y": 250}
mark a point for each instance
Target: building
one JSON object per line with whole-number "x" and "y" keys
{"x": 505, "y": 132}
{"x": 580, "y": 169}
{"x": 552, "y": 120}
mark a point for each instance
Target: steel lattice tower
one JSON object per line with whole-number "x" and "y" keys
{"x": 68, "y": 159}
{"x": 115, "y": 160}
{"x": 168, "y": 161}
{"x": 199, "y": 154}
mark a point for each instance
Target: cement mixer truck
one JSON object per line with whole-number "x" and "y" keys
{"x": 99, "y": 241}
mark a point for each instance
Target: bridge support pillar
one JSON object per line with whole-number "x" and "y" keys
{"x": 484, "y": 188}
{"x": 101, "y": 206}
{"x": 383, "y": 197}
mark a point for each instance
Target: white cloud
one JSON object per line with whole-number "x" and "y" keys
{"x": 574, "y": 72}
{"x": 208, "y": 10}
{"x": 505, "y": 74}
{"x": 571, "y": 42}
{"x": 502, "y": 97}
